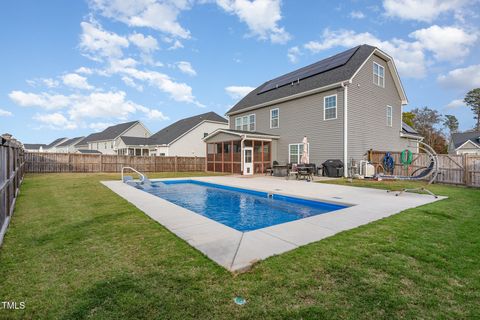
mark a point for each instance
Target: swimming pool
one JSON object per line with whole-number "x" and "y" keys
{"x": 241, "y": 209}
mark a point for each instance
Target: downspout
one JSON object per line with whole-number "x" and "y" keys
{"x": 242, "y": 145}
{"x": 345, "y": 127}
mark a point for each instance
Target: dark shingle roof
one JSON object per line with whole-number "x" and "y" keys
{"x": 323, "y": 79}
{"x": 174, "y": 131}
{"x": 70, "y": 142}
{"x": 109, "y": 133}
{"x": 89, "y": 151}
{"x": 135, "y": 141}
{"x": 460, "y": 138}
{"x": 34, "y": 146}
{"x": 409, "y": 130}
{"x": 55, "y": 142}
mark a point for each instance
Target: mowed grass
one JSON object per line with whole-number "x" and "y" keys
{"x": 76, "y": 250}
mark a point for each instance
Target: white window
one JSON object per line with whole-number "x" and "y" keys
{"x": 389, "y": 116}
{"x": 330, "y": 107}
{"x": 245, "y": 123}
{"x": 378, "y": 75}
{"x": 238, "y": 123}
{"x": 274, "y": 118}
{"x": 295, "y": 152}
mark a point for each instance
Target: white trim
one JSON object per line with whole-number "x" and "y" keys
{"x": 299, "y": 154}
{"x": 247, "y": 116}
{"x": 287, "y": 98}
{"x": 336, "y": 106}
{"x": 389, "y": 123}
{"x": 345, "y": 127}
{"x": 378, "y": 75}
{"x": 259, "y": 137}
{"x": 278, "y": 118}
{"x": 466, "y": 143}
{"x": 393, "y": 72}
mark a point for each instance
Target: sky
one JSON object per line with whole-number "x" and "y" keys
{"x": 70, "y": 68}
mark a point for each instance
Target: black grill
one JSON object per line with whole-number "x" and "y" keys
{"x": 332, "y": 168}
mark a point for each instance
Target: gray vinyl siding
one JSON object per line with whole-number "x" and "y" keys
{"x": 303, "y": 117}
{"x": 367, "y": 113}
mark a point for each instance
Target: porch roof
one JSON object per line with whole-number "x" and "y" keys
{"x": 238, "y": 135}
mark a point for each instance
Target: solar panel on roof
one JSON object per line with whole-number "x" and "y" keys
{"x": 324, "y": 65}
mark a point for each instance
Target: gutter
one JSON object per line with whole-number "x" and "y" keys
{"x": 345, "y": 126}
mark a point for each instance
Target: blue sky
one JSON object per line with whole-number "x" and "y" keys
{"x": 70, "y": 68}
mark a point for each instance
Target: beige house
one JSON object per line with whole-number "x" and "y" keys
{"x": 109, "y": 140}
{"x": 69, "y": 146}
{"x": 465, "y": 143}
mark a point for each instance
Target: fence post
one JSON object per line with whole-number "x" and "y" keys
{"x": 176, "y": 164}
{"x": 465, "y": 169}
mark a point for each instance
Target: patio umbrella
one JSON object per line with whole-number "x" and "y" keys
{"x": 305, "y": 157}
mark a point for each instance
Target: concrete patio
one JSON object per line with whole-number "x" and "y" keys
{"x": 237, "y": 251}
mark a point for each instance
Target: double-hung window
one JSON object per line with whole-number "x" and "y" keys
{"x": 245, "y": 123}
{"x": 330, "y": 107}
{"x": 389, "y": 116}
{"x": 274, "y": 118}
{"x": 295, "y": 152}
{"x": 378, "y": 75}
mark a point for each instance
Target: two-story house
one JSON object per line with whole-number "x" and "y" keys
{"x": 108, "y": 141}
{"x": 465, "y": 143}
{"x": 69, "y": 146}
{"x": 182, "y": 138}
{"x": 345, "y": 105}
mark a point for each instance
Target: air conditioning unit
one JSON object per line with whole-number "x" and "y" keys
{"x": 366, "y": 169}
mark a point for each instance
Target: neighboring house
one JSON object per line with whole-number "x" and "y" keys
{"x": 182, "y": 138}
{"x": 345, "y": 105}
{"x": 465, "y": 143}
{"x": 52, "y": 147}
{"x": 86, "y": 151}
{"x": 69, "y": 146}
{"x": 109, "y": 140}
{"x": 34, "y": 147}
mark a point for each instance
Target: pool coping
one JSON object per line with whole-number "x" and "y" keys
{"x": 237, "y": 251}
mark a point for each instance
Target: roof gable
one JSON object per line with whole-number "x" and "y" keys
{"x": 174, "y": 131}
{"x": 313, "y": 82}
{"x": 55, "y": 142}
{"x": 70, "y": 142}
{"x": 459, "y": 138}
{"x": 110, "y": 133}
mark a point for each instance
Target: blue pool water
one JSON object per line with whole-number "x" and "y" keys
{"x": 241, "y": 209}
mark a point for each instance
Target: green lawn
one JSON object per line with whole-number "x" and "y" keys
{"x": 76, "y": 250}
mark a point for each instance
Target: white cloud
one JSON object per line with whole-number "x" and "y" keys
{"x": 423, "y": 10}
{"x": 47, "y": 82}
{"x": 177, "y": 44}
{"x": 357, "y": 15}
{"x": 409, "y": 56}
{"x": 43, "y": 100}
{"x": 96, "y": 105}
{"x": 293, "y": 54}
{"x": 84, "y": 70}
{"x": 446, "y": 43}
{"x": 146, "y": 44}
{"x": 158, "y": 15}
{"x": 129, "y": 82}
{"x": 76, "y": 81}
{"x": 56, "y": 121}
{"x": 261, "y": 16}
{"x": 98, "y": 43}
{"x": 186, "y": 67}
{"x": 99, "y": 126}
{"x": 238, "y": 92}
{"x": 5, "y": 113}
{"x": 463, "y": 79}
{"x": 455, "y": 104}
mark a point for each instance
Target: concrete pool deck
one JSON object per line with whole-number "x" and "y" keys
{"x": 237, "y": 251}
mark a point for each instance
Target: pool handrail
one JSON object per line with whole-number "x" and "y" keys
{"x": 136, "y": 171}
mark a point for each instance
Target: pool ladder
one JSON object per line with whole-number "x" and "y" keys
{"x": 144, "y": 182}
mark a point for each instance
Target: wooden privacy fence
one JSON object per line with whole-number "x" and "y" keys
{"x": 453, "y": 169}
{"x": 75, "y": 162}
{"x": 11, "y": 176}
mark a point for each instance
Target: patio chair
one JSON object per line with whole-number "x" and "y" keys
{"x": 269, "y": 169}
{"x": 292, "y": 171}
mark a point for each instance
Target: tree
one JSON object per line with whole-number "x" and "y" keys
{"x": 426, "y": 122}
{"x": 408, "y": 117}
{"x": 472, "y": 99}
{"x": 451, "y": 123}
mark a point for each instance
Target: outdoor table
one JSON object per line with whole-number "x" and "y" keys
{"x": 280, "y": 171}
